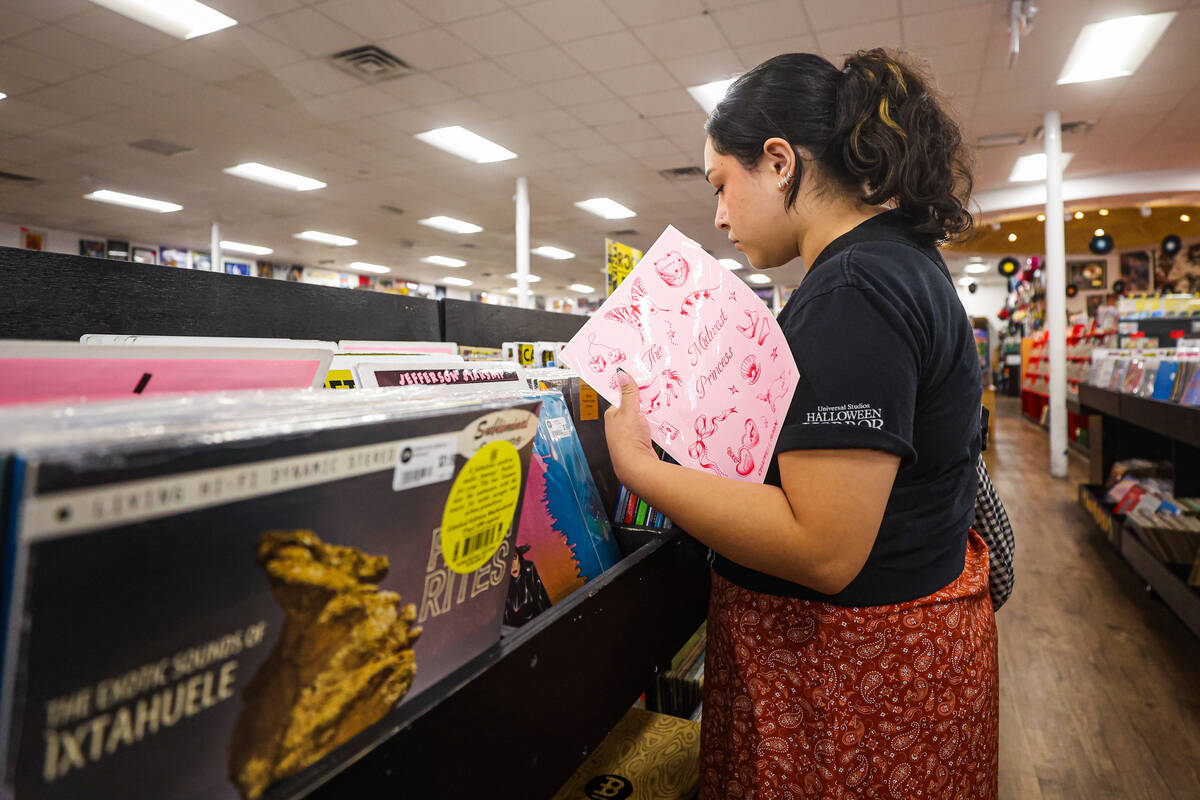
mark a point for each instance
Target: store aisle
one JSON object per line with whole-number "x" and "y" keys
{"x": 1100, "y": 682}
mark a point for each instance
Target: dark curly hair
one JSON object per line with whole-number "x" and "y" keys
{"x": 875, "y": 127}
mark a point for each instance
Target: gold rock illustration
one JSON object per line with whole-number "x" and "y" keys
{"x": 343, "y": 660}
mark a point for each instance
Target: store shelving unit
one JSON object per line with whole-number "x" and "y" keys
{"x": 1035, "y": 377}
{"x": 517, "y": 720}
{"x": 1124, "y": 426}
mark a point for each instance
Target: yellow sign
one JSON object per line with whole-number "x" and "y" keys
{"x": 339, "y": 379}
{"x": 481, "y": 505}
{"x": 620, "y": 259}
{"x": 525, "y": 355}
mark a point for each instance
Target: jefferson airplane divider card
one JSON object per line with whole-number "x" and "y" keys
{"x": 715, "y": 373}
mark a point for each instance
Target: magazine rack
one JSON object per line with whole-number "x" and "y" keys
{"x": 1124, "y": 426}
{"x": 520, "y": 718}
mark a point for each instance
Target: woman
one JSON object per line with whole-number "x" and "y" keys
{"x": 851, "y": 639}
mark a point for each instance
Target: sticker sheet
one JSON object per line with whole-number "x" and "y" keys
{"x": 715, "y": 374}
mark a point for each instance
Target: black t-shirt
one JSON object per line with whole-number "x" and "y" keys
{"x": 887, "y": 362}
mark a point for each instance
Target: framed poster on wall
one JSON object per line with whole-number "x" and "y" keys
{"x": 1136, "y": 270}
{"x": 1088, "y": 274}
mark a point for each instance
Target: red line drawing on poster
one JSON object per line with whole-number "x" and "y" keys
{"x": 671, "y": 385}
{"x": 776, "y": 390}
{"x": 690, "y": 304}
{"x": 670, "y": 332}
{"x": 639, "y": 297}
{"x": 672, "y": 268}
{"x": 758, "y": 326}
{"x": 743, "y": 459}
{"x": 629, "y": 315}
{"x": 600, "y": 361}
{"x": 705, "y": 428}
{"x": 750, "y": 369}
{"x": 668, "y": 431}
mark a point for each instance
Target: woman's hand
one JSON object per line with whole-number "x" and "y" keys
{"x": 628, "y": 434}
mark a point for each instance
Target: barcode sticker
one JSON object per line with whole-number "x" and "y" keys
{"x": 420, "y": 462}
{"x": 558, "y": 428}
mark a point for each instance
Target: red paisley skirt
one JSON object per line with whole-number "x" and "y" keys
{"x": 806, "y": 700}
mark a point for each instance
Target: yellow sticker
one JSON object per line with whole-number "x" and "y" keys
{"x": 589, "y": 403}
{"x": 339, "y": 379}
{"x": 525, "y": 354}
{"x": 481, "y": 506}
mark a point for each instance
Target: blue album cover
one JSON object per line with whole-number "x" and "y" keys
{"x": 1164, "y": 381}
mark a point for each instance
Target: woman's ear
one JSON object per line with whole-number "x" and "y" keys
{"x": 780, "y": 157}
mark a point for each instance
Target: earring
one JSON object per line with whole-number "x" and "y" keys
{"x": 786, "y": 182}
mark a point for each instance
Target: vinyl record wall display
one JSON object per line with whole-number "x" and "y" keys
{"x": 1072, "y": 290}
{"x": 1009, "y": 266}
{"x": 1171, "y": 244}
{"x": 1101, "y": 245}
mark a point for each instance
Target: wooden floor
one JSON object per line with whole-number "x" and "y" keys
{"x": 1099, "y": 681}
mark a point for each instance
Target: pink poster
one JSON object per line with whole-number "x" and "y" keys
{"x": 715, "y": 373}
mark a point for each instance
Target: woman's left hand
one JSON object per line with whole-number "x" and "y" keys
{"x": 628, "y": 433}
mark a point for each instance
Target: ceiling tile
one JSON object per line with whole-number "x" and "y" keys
{"x": 15, "y": 85}
{"x": 68, "y": 102}
{"x": 374, "y": 19}
{"x": 200, "y": 64}
{"x": 716, "y": 65}
{"x": 62, "y": 45}
{"x": 544, "y": 64}
{"x": 552, "y": 121}
{"x": 825, "y": 15}
{"x": 498, "y": 34}
{"x": 645, "y": 148}
{"x": 640, "y": 12}
{"x": 914, "y": 7}
{"x": 753, "y": 55}
{"x": 610, "y": 51}
{"x": 516, "y": 101}
{"x": 564, "y": 20}
{"x": 443, "y": 11}
{"x": 420, "y": 90}
{"x": 478, "y": 77}
{"x": 431, "y": 49}
{"x": 370, "y": 101}
{"x": 317, "y": 76}
{"x": 119, "y": 31}
{"x": 603, "y": 112}
{"x": 761, "y": 22}
{"x": 573, "y": 91}
{"x": 466, "y": 112}
{"x": 684, "y": 37}
{"x": 244, "y": 45}
{"x": 247, "y": 11}
{"x": 966, "y": 24}
{"x": 16, "y": 23}
{"x": 657, "y": 104}
{"x": 640, "y": 79}
{"x": 54, "y": 10}
{"x": 312, "y": 33}
{"x": 264, "y": 88}
{"x": 411, "y": 120}
{"x": 688, "y": 125}
{"x": 633, "y": 130}
{"x": 146, "y": 75}
{"x": 19, "y": 61}
{"x": 605, "y": 154}
{"x": 963, "y": 57}
{"x": 837, "y": 44}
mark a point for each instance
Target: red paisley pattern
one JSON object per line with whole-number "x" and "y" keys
{"x": 806, "y": 700}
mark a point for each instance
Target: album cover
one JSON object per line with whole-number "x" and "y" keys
{"x": 1164, "y": 379}
{"x": 207, "y": 621}
{"x": 174, "y": 257}
{"x": 145, "y": 255}
{"x": 92, "y": 248}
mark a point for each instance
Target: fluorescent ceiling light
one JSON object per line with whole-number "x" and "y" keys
{"x": 1033, "y": 167}
{"x": 274, "y": 177}
{"x": 1114, "y": 48}
{"x": 444, "y": 261}
{"x": 3, "y": 95}
{"x": 965, "y": 281}
{"x": 977, "y": 268}
{"x": 557, "y": 253}
{"x": 517, "y": 290}
{"x": 183, "y": 19}
{"x": 453, "y": 281}
{"x": 606, "y": 207}
{"x": 731, "y": 263}
{"x": 252, "y": 249}
{"x": 709, "y": 94}
{"x": 758, "y": 277}
{"x": 132, "y": 201}
{"x": 450, "y": 224}
{"x": 363, "y": 266}
{"x": 582, "y": 288}
{"x": 327, "y": 238}
{"x": 461, "y": 142}
{"x": 532, "y": 278}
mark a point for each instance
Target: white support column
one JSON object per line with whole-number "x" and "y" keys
{"x": 524, "y": 298}
{"x": 215, "y": 246}
{"x": 1056, "y": 294}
